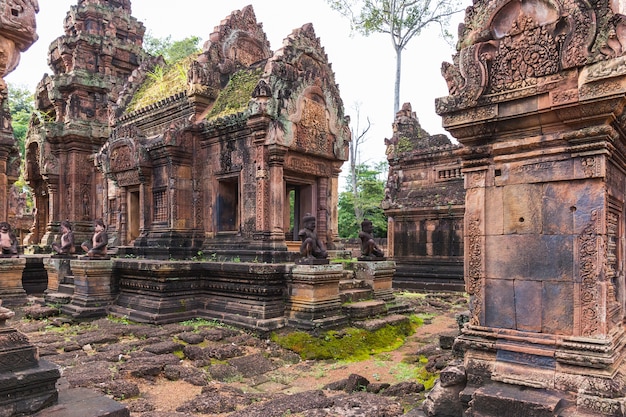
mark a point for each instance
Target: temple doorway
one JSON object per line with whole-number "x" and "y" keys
{"x": 299, "y": 200}
{"x": 133, "y": 216}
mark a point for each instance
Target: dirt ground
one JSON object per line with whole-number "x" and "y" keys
{"x": 157, "y": 393}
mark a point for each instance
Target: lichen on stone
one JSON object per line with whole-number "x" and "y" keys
{"x": 236, "y": 95}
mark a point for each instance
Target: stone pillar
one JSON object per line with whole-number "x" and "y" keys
{"x": 94, "y": 288}
{"x": 544, "y": 167}
{"x": 11, "y": 290}
{"x": 27, "y": 383}
{"x": 58, "y": 268}
{"x": 53, "y": 203}
{"x": 378, "y": 275}
{"x": 277, "y": 193}
{"x": 313, "y": 296}
{"x": 4, "y": 184}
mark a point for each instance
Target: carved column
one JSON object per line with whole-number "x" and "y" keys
{"x": 322, "y": 210}
{"x": 4, "y": 185}
{"x": 544, "y": 167}
{"x": 53, "y": 202}
{"x": 277, "y": 193}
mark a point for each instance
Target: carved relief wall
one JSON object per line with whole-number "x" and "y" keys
{"x": 537, "y": 99}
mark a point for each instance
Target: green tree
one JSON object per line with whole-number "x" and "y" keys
{"x": 402, "y": 20}
{"x": 370, "y": 193}
{"x": 21, "y": 106}
{"x": 172, "y": 51}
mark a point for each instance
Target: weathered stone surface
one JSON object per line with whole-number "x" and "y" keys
{"x": 541, "y": 213}
{"x": 252, "y": 365}
{"x": 443, "y": 402}
{"x": 424, "y": 198}
{"x": 81, "y": 402}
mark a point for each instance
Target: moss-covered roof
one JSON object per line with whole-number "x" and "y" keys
{"x": 235, "y": 96}
{"x": 161, "y": 83}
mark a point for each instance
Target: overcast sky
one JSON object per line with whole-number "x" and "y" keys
{"x": 364, "y": 66}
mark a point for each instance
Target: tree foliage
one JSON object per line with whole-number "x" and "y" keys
{"x": 21, "y": 107}
{"x": 402, "y": 20}
{"x": 172, "y": 51}
{"x": 367, "y": 200}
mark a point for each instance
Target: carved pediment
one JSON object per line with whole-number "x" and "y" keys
{"x": 507, "y": 46}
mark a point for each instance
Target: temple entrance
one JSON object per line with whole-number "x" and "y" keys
{"x": 133, "y": 216}
{"x": 299, "y": 200}
{"x": 228, "y": 205}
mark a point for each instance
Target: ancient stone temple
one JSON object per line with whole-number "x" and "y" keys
{"x": 27, "y": 384}
{"x": 537, "y": 94}
{"x": 202, "y": 169}
{"x": 250, "y": 141}
{"x": 225, "y": 152}
{"x": 91, "y": 62}
{"x": 424, "y": 202}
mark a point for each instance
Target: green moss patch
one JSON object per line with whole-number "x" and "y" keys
{"x": 349, "y": 344}
{"x": 161, "y": 83}
{"x": 235, "y": 96}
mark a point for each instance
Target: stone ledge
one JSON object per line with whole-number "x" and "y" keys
{"x": 83, "y": 402}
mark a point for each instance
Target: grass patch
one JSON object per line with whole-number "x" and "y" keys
{"x": 198, "y": 323}
{"x": 349, "y": 344}
{"x": 162, "y": 82}
{"x": 124, "y": 320}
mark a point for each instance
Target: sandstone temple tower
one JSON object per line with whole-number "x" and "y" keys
{"x": 537, "y": 97}
{"x": 17, "y": 25}
{"x": 91, "y": 62}
{"x": 222, "y": 152}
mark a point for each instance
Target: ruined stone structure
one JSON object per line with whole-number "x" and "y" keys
{"x": 17, "y": 34}
{"x": 27, "y": 384}
{"x": 424, "y": 202}
{"x": 202, "y": 169}
{"x": 91, "y": 62}
{"x": 210, "y": 164}
{"x": 537, "y": 94}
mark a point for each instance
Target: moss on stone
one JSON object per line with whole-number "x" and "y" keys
{"x": 161, "y": 83}
{"x": 235, "y": 96}
{"x": 349, "y": 344}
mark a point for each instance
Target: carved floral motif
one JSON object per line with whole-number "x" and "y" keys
{"x": 588, "y": 261}
{"x": 474, "y": 283}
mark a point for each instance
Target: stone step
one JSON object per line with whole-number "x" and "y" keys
{"x": 58, "y": 298}
{"x": 351, "y": 284}
{"x": 515, "y": 401}
{"x": 364, "y": 309}
{"x": 68, "y": 279}
{"x": 82, "y": 402}
{"x": 66, "y": 289}
{"x": 354, "y": 295}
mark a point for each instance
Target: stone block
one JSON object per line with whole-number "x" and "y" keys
{"x": 557, "y": 316}
{"x": 528, "y": 304}
{"x": 494, "y": 211}
{"x": 529, "y": 257}
{"x": 515, "y": 401}
{"x": 500, "y": 303}
{"x": 82, "y": 402}
{"x": 521, "y": 209}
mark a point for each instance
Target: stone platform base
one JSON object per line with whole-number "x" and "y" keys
{"x": 82, "y": 402}
{"x": 28, "y": 391}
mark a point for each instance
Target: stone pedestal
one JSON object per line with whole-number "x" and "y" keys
{"x": 27, "y": 384}
{"x": 378, "y": 275}
{"x": 94, "y": 288}
{"x": 58, "y": 268}
{"x": 545, "y": 177}
{"x": 11, "y": 290}
{"x": 313, "y": 296}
